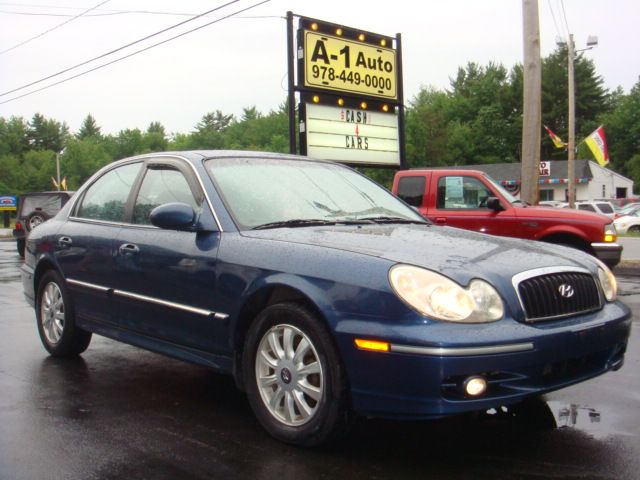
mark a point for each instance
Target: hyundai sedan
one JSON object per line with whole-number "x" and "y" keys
{"x": 317, "y": 290}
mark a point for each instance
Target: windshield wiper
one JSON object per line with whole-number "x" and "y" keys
{"x": 314, "y": 222}
{"x": 299, "y": 222}
{"x": 386, "y": 219}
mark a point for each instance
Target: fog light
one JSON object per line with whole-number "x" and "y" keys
{"x": 475, "y": 386}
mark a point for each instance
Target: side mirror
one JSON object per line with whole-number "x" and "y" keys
{"x": 173, "y": 216}
{"x": 493, "y": 203}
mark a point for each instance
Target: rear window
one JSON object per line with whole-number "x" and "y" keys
{"x": 411, "y": 190}
{"x": 48, "y": 204}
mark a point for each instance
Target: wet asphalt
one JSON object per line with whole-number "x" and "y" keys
{"x": 119, "y": 412}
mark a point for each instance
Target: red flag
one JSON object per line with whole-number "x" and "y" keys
{"x": 557, "y": 141}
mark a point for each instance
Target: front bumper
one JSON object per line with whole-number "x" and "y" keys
{"x": 609, "y": 253}
{"x": 425, "y": 380}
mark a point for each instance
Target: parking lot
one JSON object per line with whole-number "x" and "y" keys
{"x": 121, "y": 412}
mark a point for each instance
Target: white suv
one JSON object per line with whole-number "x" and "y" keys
{"x": 603, "y": 208}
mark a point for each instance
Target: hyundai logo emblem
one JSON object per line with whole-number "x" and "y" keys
{"x": 567, "y": 291}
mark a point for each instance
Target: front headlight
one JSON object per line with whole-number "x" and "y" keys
{"x": 608, "y": 282}
{"x": 438, "y": 297}
{"x": 610, "y": 233}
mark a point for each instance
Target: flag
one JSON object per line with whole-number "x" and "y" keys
{"x": 597, "y": 142}
{"x": 63, "y": 184}
{"x": 557, "y": 141}
{"x": 55, "y": 184}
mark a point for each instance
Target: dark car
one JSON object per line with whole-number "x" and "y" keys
{"x": 320, "y": 292}
{"x": 34, "y": 209}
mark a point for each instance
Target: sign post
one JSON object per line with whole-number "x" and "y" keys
{"x": 8, "y": 204}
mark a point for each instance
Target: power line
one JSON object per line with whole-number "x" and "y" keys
{"x": 107, "y": 12}
{"x": 137, "y": 52}
{"x": 564, "y": 15}
{"x": 52, "y": 29}
{"x": 555, "y": 23}
{"x": 119, "y": 48}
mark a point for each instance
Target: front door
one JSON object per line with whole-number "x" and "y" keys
{"x": 166, "y": 279}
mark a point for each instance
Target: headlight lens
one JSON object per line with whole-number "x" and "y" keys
{"x": 437, "y": 296}
{"x": 610, "y": 233}
{"x": 608, "y": 282}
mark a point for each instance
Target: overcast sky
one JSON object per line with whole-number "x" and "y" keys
{"x": 241, "y": 62}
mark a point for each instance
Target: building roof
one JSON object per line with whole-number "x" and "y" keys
{"x": 510, "y": 172}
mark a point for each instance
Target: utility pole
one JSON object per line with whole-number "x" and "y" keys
{"x": 58, "y": 169}
{"x": 532, "y": 106}
{"x": 571, "y": 147}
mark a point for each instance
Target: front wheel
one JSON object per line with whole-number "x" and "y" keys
{"x": 635, "y": 229}
{"x": 293, "y": 376}
{"x": 56, "y": 319}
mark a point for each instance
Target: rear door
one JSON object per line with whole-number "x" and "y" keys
{"x": 87, "y": 243}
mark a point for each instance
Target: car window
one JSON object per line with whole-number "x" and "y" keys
{"x": 49, "y": 204}
{"x": 106, "y": 198}
{"x": 160, "y": 186}
{"x": 411, "y": 190}
{"x": 458, "y": 192}
{"x": 605, "y": 207}
{"x": 586, "y": 206}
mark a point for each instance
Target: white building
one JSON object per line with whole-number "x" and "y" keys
{"x": 593, "y": 182}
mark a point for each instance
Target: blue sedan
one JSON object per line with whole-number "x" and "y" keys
{"x": 320, "y": 292}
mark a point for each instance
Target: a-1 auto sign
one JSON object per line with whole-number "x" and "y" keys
{"x": 8, "y": 202}
{"x": 352, "y": 135}
{"x": 343, "y": 65}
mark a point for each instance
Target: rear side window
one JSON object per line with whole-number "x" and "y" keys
{"x": 107, "y": 197}
{"x": 411, "y": 190}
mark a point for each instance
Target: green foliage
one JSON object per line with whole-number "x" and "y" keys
{"x": 88, "y": 129}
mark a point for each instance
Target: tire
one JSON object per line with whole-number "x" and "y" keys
{"x": 56, "y": 319}
{"x": 34, "y": 219}
{"x": 302, "y": 401}
{"x": 20, "y": 244}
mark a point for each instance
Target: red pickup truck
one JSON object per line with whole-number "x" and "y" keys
{"x": 472, "y": 200}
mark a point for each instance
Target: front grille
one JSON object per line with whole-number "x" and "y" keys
{"x": 542, "y": 298}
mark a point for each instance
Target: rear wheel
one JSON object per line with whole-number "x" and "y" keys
{"x": 293, "y": 376}
{"x": 56, "y": 319}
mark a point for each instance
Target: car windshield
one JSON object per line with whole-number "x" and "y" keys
{"x": 503, "y": 191}
{"x": 281, "y": 192}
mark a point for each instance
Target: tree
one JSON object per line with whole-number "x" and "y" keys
{"x": 89, "y": 129}
{"x": 13, "y": 136}
{"x": 81, "y": 159}
{"x": 156, "y": 138}
{"x": 46, "y": 134}
{"x": 216, "y": 122}
{"x": 622, "y": 127}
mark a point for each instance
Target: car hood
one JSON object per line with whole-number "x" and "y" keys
{"x": 458, "y": 253}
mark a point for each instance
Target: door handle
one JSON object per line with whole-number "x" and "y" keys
{"x": 441, "y": 220}
{"x": 128, "y": 249}
{"x": 65, "y": 241}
